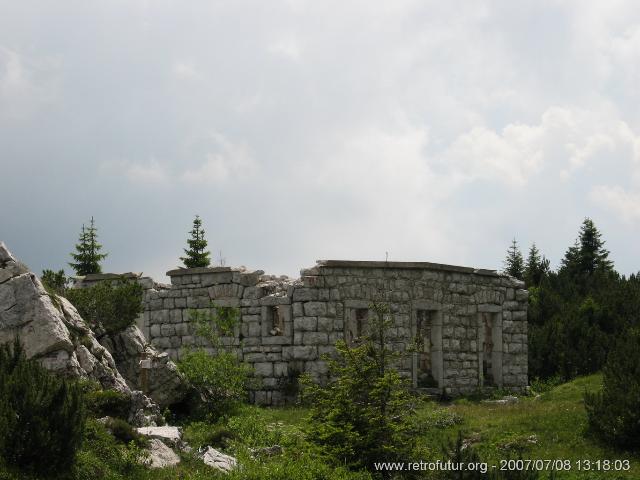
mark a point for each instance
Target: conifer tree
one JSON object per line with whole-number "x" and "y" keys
{"x": 593, "y": 255}
{"x": 514, "y": 263}
{"x": 197, "y": 256}
{"x": 588, "y": 254}
{"x": 88, "y": 256}
{"x": 536, "y": 267}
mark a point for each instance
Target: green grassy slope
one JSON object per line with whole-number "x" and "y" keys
{"x": 549, "y": 426}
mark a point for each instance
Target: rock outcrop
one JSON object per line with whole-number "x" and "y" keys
{"x": 162, "y": 381}
{"x": 52, "y": 331}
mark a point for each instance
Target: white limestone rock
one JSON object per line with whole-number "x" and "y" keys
{"x": 160, "y": 455}
{"x": 218, "y": 460}
{"x": 169, "y": 435}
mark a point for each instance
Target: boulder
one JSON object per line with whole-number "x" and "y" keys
{"x": 169, "y": 435}
{"x": 218, "y": 460}
{"x": 160, "y": 455}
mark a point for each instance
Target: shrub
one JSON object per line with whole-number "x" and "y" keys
{"x": 109, "y": 403}
{"x": 41, "y": 416}
{"x": 55, "y": 282}
{"x": 114, "y": 305}
{"x": 221, "y": 380}
{"x": 103, "y": 457}
{"x": 614, "y": 413}
{"x": 124, "y": 432}
{"x": 363, "y": 414}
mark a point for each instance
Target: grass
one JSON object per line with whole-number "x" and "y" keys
{"x": 552, "y": 425}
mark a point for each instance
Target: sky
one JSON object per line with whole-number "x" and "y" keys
{"x": 303, "y": 130}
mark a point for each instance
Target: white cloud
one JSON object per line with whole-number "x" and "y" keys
{"x": 288, "y": 47}
{"x": 186, "y": 71}
{"x": 25, "y": 84}
{"x": 565, "y": 140}
{"x": 151, "y": 172}
{"x": 622, "y": 203}
{"x": 229, "y": 162}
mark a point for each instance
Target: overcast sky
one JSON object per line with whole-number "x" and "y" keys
{"x": 303, "y": 130}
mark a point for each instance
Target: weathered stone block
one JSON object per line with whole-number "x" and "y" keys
{"x": 305, "y": 324}
{"x": 280, "y": 369}
{"x": 325, "y": 324}
{"x": 305, "y": 294}
{"x": 299, "y": 352}
{"x": 298, "y": 310}
{"x": 315, "y": 338}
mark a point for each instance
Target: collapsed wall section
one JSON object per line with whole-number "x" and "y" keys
{"x": 466, "y": 328}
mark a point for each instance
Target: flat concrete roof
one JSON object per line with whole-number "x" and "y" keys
{"x": 405, "y": 265}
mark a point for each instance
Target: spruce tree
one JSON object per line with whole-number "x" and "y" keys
{"x": 197, "y": 256}
{"x": 536, "y": 267}
{"x": 88, "y": 256}
{"x": 514, "y": 263}
{"x": 588, "y": 255}
{"x": 593, "y": 255}
{"x": 570, "y": 262}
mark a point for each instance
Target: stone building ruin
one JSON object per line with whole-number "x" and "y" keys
{"x": 469, "y": 325}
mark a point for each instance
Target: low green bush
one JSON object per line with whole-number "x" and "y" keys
{"x": 220, "y": 379}
{"x": 114, "y": 305}
{"x": 125, "y": 433}
{"x": 104, "y": 457}
{"x": 56, "y": 283}
{"x": 41, "y": 416}
{"x": 107, "y": 403}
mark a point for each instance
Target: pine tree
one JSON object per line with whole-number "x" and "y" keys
{"x": 536, "y": 267}
{"x": 514, "y": 263}
{"x": 587, "y": 255}
{"x": 197, "y": 256}
{"x": 88, "y": 256}
{"x": 593, "y": 255}
{"x": 571, "y": 260}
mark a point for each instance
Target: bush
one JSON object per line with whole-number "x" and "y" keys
{"x": 41, "y": 416}
{"x": 614, "y": 413}
{"x": 114, "y": 305}
{"x": 103, "y": 457}
{"x": 363, "y": 415}
{"x": 55, "y": 283}
{"x": 108, "y": 403}
{"x": 221, "y": 380}
{"x": 125, "y": 433}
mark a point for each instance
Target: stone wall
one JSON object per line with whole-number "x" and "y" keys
{"x": 471, "y": 324}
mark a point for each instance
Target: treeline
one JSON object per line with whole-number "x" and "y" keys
{"x": 576, "y": 313}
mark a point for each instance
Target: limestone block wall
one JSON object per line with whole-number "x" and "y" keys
{"x": 471, "y": 324}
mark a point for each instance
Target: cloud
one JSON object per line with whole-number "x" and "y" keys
{"x": 288, "y": 47}
{"x": 25, "y": 84}
{"x": 186, "y": 71}
{"x": 229, "y": 162}
{"x": 622, "y": 203}
{"x": 150, "y": 173}
{"x": 565, "y": 140}
{"x": 350, "y": 129}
